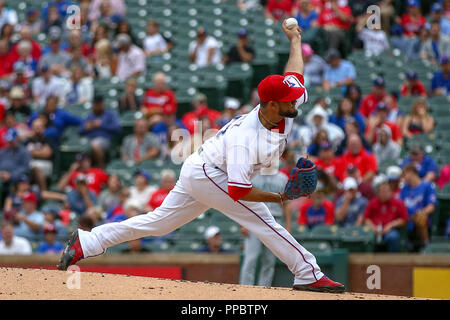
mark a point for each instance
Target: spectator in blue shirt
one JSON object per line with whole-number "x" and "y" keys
{"x": 100, "y": 126}
{"x": 50, "y": 245}
{"x": 437, "y": 16}
{"x": 29, "y": 220}
{"x": 14, "y": 159}
{"x": 440, "y": 83}
{"x": 306, "y": 17}
{"x": 213, "y": 241}
{"x": 81, "y": 198}
{"x": 61, "y": 5}
{"x": 425, "y": 165}
{"x": 351, "y": 205}
{"x": 345, "y": 112}
{"x": 339, "y": 73}
{"x": 57, "y": 120}
{"x": 420, "y": 200}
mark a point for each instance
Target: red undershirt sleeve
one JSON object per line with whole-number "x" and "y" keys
{"x": 236, "y": 193}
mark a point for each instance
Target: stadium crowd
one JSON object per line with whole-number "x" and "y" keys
{"x": 41, "y": 82}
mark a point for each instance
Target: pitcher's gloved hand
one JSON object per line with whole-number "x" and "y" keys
{"x": 302, "y": 179}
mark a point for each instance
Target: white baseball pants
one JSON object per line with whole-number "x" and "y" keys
{"x": 200, "y": 187}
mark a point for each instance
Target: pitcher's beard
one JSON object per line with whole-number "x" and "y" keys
{"x": 288, "y": 114}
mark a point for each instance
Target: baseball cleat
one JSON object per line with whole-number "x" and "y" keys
{"x": 72, "y": 252}
{"x": 325, "y": 284}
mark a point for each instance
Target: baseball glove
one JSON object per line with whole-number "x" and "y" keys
{"x": 302, "y": 179}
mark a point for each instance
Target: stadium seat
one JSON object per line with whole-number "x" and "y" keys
{"x": 186, "y": 246}
{"x": 317, "y": 246}
{"x": 325, "y": 233}
{"x": 117, "y": 249}
{"x": 300, "y": 233}
{"x": 357, "y": 238}
{"x": 437, "y": 248}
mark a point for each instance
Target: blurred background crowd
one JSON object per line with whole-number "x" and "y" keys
{"x": 88, "y": 107}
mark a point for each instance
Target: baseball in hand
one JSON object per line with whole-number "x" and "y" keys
{"x": 291, "y": 23}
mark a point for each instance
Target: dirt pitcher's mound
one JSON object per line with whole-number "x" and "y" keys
{"x": 50, "y": 284}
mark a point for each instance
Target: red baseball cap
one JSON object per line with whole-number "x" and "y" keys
{"x": 50, "y": 228}
{"x": 277, "y": 88}
{"x": 30, "y": 196}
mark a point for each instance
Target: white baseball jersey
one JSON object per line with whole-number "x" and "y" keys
{"x": 230, "y": 159}
{"x": 244, "y": 146}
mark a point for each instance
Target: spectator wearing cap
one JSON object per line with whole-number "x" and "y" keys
{"x": 365, "y": 162}
{"x": 437, "y": 16}
{"x": 335, "y": 19}
{"x": 329, "y": 163}
{"x": 50, "y": 245}
{"x": 142, "y": 145}
{"x": 14, "y": 159}
{"x": 412, "y": 20}
{"x": 56, "y": 119}
{"x": 96, "y": 177}
{"x": 351, "y": 205}
{"x": 418, "y": 121}
{"x": 230, "y": 110}
{"x": 201, "y": 113}
{"x": 154, "y": 43}
{"x": 385, "y": 214}
{"x": 419, "y": 197}
{"x": 213, "y": 240}
{"x": 242, "y": 51}
{"x": 7, "y": 15}
{"x": 278, "y": 10}
{"x": 41, "y": 152}
{"x": 52, "y": 217}
{"x": 131, "y": 59}
{"x": 317, "y": 119}
{"x": 167, "y": 183}
{"x": 425, "y": 165}
{"x": 440, "y": 83}
{"x": 393, "y": 175}
{"x": 129, "y": 101}
{"x": 81, "y": 198}
{"x": 19, "y": 78}
{"x": 142, "y": 191}
{"x": 6, "y": 59}
{"x": 46, "y": 85}
{"x": 100, "y": 127}
{"x": 10, "y": 244}
{"x": 339, "y": 72}
{"x": 17, "y": 103}
{"x": 56, "y": 59}
{"x": 29, "y": 220}
{"x": 204, "y": 51}
{"x": 347, "y": 111}
{"x": 412, "y": 86}
{"x": 372, "y": 99}
{"x": 317, "y": 210}
{"x": 315, "y": 66}
{"x": 159, "y": 99}
{"x": 385, "y": 149}
{"x": 32, "y": 22}
{"x": 374, "y": 39}
{"x": 436, "y": 46}
{"x": 378, "y": 120}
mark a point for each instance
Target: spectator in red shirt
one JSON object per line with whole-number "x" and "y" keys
{"x": 159, "y": 99}
{"x": 371, "y": 100}
{"x": 317, "y": 210}
{"x": 6, "y": 59}
{"x": 412, "y": 86}
{"x": 444, "y": 177}
{"x": 412, "y": 21}
{"x": 335, "y": 18}
{"x": 201, "y": 113}
{"x": 166, "y": 185}
{"x": 385, "y": 214}
{"x": 96, "y": 178}
{"x": 356, "y": 155}
{"x": 329, "y": 163}
{"x": 279, "y": 9}
{"x": 26, "y": 34}
{"x": 379, "y": 119}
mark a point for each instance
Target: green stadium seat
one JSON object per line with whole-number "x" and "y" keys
{"x": 186, "y": 246}
{"x": 357, "y": 238}
{"x": 117, "y": 249}
{"x": 156, "y": 246}
{"x": 325, "y": 233}
{"x": 300, "y": 233}
{"x": 437, "y": 248}
{"x": 317, "y": 246}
